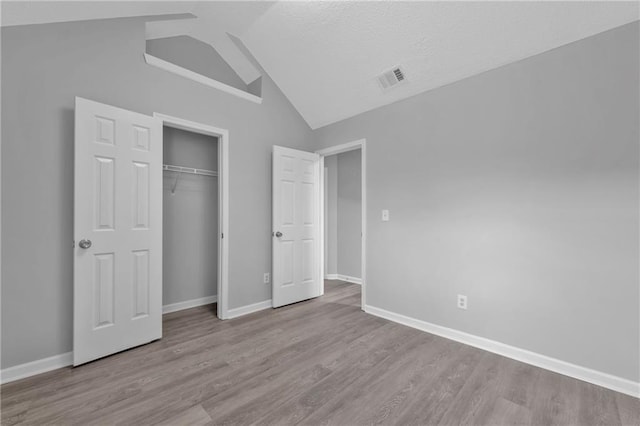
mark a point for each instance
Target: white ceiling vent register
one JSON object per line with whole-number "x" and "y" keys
{"x": 391, "y": 78}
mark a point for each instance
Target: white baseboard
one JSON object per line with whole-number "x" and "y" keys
{"x": 35, "y": 367}
{"x": 174, "y": 307}
{"x": 245, "y": 310}
{"x": 352, "y": 280}
{"x": 346, "y": 278}
{"x": 599, "y": 378}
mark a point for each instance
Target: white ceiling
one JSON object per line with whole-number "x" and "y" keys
{"x": 325, "y": 56}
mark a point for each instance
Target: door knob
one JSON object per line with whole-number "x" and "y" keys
{"x": 278, "y": 234}
{"x": 84, "y": 244}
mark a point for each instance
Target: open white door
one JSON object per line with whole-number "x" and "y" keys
{"x": 117, "y": 298}
{"x": 296, "y": 226}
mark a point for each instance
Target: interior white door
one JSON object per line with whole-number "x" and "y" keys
{"x": 296, "y": 226}
{"x": 117, "y": 299}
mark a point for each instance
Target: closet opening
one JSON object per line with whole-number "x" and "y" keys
{"x": 189, "y": 220}
{"x": 194, "y": 211}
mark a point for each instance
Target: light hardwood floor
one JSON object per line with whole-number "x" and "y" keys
{"x": 322, "y": 361}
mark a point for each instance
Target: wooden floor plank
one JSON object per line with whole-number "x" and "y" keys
{"x": 194, "y": 416}
{"x": 628, "y": 409}
{"x": 322, "y": 361}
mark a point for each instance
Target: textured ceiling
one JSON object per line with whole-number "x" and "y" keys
{"x": 325, "y": 56}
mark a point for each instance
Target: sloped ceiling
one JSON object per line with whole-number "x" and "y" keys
{"x": 325, "y": 55}
{"x": 215, "y": 20}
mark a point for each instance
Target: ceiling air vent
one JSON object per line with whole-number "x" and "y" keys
{"x": 391, "y": 78}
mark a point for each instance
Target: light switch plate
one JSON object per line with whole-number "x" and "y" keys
{"x": 385, "y": 215}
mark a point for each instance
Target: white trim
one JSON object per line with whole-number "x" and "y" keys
{"x": 352, "y": 280}
{"x": 347, "y": 278}
{"x": 187, "y": 304}
{"x": 599, "y": 378}
{"x": 199, "y": 78}
{"x": 35, "y": 367}
{"x": 249, "y": 309}
{"x": 339, "y": 149}
{"x": 223, "y": 199}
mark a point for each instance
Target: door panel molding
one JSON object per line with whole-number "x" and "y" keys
{"x": 117, "y": 213}
{"x": 296, "y": 226}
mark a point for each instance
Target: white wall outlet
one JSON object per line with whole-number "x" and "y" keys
{"x": 267, "y": 277}
{"x": 462, "y": 301}
{"x": 385, "y": 215}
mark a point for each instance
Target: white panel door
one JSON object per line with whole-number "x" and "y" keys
{"x": 296, "y": 226}
{"x": 117, "y": 298}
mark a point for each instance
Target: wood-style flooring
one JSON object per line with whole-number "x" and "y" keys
{"x": 318, "y": 362}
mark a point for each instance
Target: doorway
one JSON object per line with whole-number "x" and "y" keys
{"x": 343, "y": 211}
{"x": 343, "y": 217}
{"x": 195, "y": 180}
{"x": 189, "y": 219}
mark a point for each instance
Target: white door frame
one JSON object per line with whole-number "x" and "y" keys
{"x": 360, "y": 144}
{"x": 223, "y": 200}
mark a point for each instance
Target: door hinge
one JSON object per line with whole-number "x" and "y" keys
{"x": 73, "y": 245}
{"x": 222, "y": 235}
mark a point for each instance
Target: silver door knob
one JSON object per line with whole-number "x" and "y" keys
{"x": 278, "y": 234}
{"x": 84, "y": 244}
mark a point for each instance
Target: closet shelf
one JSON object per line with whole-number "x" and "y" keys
{"x": 190, "y": 170}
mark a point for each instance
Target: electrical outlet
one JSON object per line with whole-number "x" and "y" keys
{"x": 462, "y": 301}
{"x": 267, "y": 277}
{"x": 385, "y": 215}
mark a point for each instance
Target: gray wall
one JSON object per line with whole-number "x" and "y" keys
{"x": 343, "y": 222}
{"x": 190, "y": 218}
{"x": 196, "y": 56}
{"x": 350, "y": 213}
{"x": 519, "y": 188}
{"x": 43, "y": 68}
{"x": 331, "y": 215}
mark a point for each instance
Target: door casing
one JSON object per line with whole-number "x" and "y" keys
{"x": 223, "y": 199}
{"x": 360, "y": 144}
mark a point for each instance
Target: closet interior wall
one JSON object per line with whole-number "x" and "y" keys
{"x": 190, "y": 218}
{"x": 343, "y": 214}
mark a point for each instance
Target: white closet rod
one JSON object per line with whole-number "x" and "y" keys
{"x": 190, "y": 170}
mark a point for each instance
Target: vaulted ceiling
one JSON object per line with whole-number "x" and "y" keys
{"x": 326, "y": 56}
